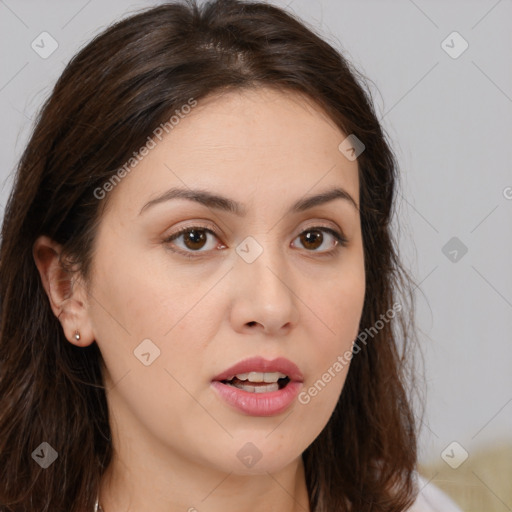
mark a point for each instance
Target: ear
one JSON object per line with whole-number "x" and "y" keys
{"x": 66, "y": 291}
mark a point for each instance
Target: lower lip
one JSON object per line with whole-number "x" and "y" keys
{"x": 259, "y": 404}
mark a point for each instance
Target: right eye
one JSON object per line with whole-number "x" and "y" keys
{"x": 194, "y": 239}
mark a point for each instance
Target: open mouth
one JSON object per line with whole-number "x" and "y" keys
{"x": 256, "y": 382}
{"x": 259, "y": 387}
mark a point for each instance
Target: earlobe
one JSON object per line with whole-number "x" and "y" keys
{"x": 67, "y": 296}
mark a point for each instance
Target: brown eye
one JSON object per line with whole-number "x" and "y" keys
{"x": 314, "y": 237}
{"x": 194, "y": 239}
{"x": 311, "y": 239}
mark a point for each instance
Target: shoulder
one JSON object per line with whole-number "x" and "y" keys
{"x": 432, "y": 499}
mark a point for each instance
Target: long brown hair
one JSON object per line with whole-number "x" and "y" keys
{"x": 108, "y": 100}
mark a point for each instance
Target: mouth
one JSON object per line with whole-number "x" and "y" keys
{"x": 259, "y": 387}
{"x": 257, "y": 382}
{"x": 258, "y": 372}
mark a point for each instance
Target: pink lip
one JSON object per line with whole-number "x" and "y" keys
{"x": 260, "y": 404}
{"x": 258, "y": 364}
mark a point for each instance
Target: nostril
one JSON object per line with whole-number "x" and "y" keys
{"x": 251, "y": 324}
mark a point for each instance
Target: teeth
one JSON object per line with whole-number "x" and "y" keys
{"x": 261, "y": 377}
{"x": 258, "y": 389}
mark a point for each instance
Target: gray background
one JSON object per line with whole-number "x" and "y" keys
{"x": 450, "y": 123}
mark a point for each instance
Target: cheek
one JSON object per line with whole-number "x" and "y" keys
{"x": 340, "y": 308}
{"x": 133, "y": 306}
{"x": 137, "y": 302}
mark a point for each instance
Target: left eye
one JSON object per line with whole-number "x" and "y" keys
{"x": 195, "y": 238}
{"x": 313, "y": 237}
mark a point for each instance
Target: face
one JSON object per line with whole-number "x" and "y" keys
{"x": 172, "y": 310}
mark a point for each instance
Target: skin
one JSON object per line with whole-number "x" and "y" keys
{"x": 175, "y": 440}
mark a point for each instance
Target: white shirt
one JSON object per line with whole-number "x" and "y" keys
{"x": 432, "y": 499}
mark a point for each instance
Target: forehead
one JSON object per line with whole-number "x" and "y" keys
{"x": 256, "y": 117}
{"x": 245, "y": 143}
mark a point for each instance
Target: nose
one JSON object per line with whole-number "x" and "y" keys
{"x": 264, "y": 298}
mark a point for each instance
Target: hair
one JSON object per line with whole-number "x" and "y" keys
{"x": 109, "y": 99}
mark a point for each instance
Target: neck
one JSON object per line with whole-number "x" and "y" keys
{"x": 123, "y": 489}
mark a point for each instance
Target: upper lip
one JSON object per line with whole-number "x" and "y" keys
{"x": 258, "y": 364}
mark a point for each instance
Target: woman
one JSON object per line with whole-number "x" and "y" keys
{"x": 199, "y": 285}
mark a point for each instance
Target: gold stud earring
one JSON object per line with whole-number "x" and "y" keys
{"x": 77, "y": 335}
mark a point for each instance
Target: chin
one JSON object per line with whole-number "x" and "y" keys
{"x": 261, "y": 456}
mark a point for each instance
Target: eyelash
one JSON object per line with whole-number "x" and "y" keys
{"x": 339, "y": 237}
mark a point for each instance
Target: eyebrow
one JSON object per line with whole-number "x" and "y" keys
{"x": 229, "y": 205}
